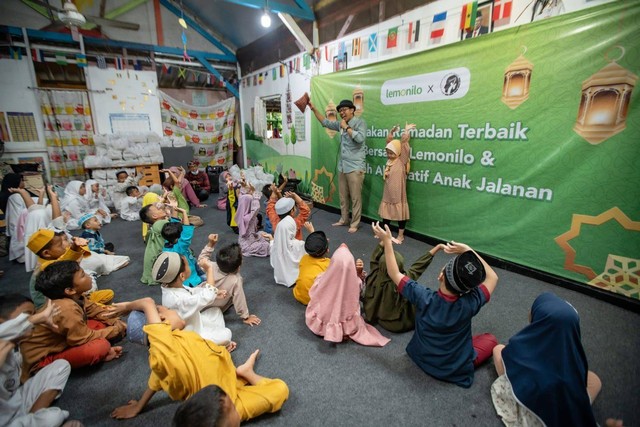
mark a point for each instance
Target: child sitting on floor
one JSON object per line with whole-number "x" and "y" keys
{"x": 182, "y": 363}
{"x": 91, "y": 226}
{"x": 119, "y": 190}
{"x": 195, "y": 305}
{"x": 154, "y": 195}
{"x": 334, "y": 307}
{"x": 381, "y": 302}
{"x": 442, "y": 344}
{"x": 313, "y": 263}
{"x": 156, "y": 215}
{"x": 178, "y": 239}
{"x": 52, "y": 246}
{"x": 83, "y": 327}
{"x": 131, "y": 204}
{"x": 27, "y": 404}
{"x": 286, "y": 249}
{"x": 544, "y": 377}
{"x": 278, "y": 207}
{"x": 226, "y": 275}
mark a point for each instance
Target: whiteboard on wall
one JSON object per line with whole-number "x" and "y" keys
{"x": 123, "y": 93}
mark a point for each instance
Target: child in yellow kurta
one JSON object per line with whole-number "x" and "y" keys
{"x": 313, "y": 263}
{"x": 52, "y": 246}
{"x": 182, "y": 363}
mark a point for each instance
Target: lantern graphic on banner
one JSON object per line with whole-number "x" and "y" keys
{"x": 517, "y": 80}
{"x": 332, "y": 115}
{"x": 358, "y": 100}
{"x": 605, "y": 102}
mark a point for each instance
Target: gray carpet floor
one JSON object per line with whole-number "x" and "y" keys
{"x": 346, "y": 384}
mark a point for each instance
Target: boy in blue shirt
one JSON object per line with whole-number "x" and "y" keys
{"x": 442, "y": 344}
{"x": 178, "y": 239}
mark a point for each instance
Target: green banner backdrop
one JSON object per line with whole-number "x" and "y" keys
{"x": 526, "y": 147}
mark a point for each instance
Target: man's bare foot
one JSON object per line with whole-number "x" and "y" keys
{"x": 73, "y": 423}
{"x": 114, "y": 215}
{"x": 246, "y": 369}
{"x": 353, "y": 229}
{"x": 612, "y": 422}
{"x": 400, "y": 239}
{"x": 231, "y": 346}
{"x": 338, "y": 224}
{"x": 114, "y": 353}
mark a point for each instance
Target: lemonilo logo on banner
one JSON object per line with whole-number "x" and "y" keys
{"x": 438, "y": 86}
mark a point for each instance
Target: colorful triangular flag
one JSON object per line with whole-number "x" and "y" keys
{"x": 15, "y": 53}
{"x": 373, "y": 43}
{"x": 306, "y": 61}
{"x": 392, "y": 38}
{"x": 81, "y": 60}
{"x": 437, "y": 27}
{"x": 413, "y": 35}
{"x": 37, "y": 55}
{"x": 61, "y": 59}
{"x": 273, "y": 74}
{"x": 356, "y": 46}
{"x": 119, "y": 63}
{"x": 501, "y": 12}
{"x": 468, "y": 16}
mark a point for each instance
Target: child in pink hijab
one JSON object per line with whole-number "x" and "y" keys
{"x": 334, "y": 309}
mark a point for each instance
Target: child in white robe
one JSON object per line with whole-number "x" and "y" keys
{"x": 130, "y": 206}
{"x": 194, "y": 305}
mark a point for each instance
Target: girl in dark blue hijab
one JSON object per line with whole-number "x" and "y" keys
{"x": 546, "y": 368}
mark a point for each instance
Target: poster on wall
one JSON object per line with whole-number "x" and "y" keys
{"x": 129, "y": 123}
{"x": 209, "y": 130}
{"x": 529, "y": 154}
{"x": 23, "y": 127}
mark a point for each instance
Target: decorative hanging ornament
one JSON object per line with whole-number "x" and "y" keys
{"x": 358, "y": 100}
{"x": 604, "y": 104}
{"x": 185, "y": 55}
{"x": 517, "y": 80}
{"x": 332, "y": 115}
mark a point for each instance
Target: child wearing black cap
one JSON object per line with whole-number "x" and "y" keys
{"x": 314, "y": 262}
{"x": 442, "y": 344}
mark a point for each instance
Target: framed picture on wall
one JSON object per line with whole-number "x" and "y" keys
{"x": 482, "y": 24}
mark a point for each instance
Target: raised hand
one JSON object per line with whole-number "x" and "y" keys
{"x": 45, "y": 316}
{"x": 456, "y": 248}
{"x": 409, "y": 126}
{"x": 382, "y": 234}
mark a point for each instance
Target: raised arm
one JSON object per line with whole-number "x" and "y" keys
{"x": 28, "y": 201}
{"x": 391, "y": 133}
{"x": 317, "y": 113}
{"x": 405, "y": 150}
{"x": 389, "y": 256}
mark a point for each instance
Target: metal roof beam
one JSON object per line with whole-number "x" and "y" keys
{"x": 92, "y": 41}
{"x": 193, "y": 24}
{"x": 299, "y": 12}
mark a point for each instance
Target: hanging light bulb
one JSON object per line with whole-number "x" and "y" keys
{"x": 265, "y": 20}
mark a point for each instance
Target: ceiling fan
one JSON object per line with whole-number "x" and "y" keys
{"x": 70, "y": 16}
